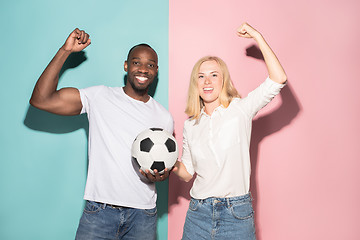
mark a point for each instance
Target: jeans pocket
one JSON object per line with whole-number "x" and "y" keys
{"x": 151, "y": 211}
{"x": 242, "y": 211}
{"x": 92, "y": 207}
{"x": 194, "y": 204}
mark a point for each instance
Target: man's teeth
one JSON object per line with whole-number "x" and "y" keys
{"x": 141, "y": 78}
{"x": 208, "y": 89}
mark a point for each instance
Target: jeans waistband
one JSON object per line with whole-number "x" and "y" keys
{"x": 104, "y": 205}
{"x": 228, "y": 201}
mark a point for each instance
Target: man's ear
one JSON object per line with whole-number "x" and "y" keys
{"x": 125, "y": 66}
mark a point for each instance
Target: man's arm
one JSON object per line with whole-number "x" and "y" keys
{"x": 65, "y": 101}
{"x": 276, "y": 71}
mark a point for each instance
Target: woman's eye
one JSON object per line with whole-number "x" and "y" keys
{"x": 214, "y": 75}
{"x": 201, "y": 76}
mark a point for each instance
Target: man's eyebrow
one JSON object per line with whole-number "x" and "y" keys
{"x": 137, "y": 58}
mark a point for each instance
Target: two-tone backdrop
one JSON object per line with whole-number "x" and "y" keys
{"x": 305, "y": 144}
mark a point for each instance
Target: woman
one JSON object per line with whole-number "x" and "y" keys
{"x": 216, "y": 145}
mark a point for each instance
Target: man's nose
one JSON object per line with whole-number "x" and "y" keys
{"x": 143, "y": 68}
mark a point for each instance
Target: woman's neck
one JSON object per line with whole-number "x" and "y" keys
{"x": 210, "y": 107}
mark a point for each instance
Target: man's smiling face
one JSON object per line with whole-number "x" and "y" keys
{"x": 142, "y": 67}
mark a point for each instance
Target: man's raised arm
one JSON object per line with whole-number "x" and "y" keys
{"x": 65, "y": 101}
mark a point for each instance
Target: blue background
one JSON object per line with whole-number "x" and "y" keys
{"x": 44, "y": 156}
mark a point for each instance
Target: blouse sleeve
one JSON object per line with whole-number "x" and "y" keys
{"x": 186, "y": 153}
{"x": 260, "y": 97}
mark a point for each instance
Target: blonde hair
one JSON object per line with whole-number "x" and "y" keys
{"x": 228, "y": 92}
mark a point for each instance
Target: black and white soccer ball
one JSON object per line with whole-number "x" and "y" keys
{"x": 153, "y": 149}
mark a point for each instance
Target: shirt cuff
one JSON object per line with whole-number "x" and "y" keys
{"x": 82, "y": 98}
{"x": 189, "y": 168}
{"x": 274, "y": 85}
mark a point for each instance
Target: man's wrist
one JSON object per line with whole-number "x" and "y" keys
{"x": 64, "y": 51}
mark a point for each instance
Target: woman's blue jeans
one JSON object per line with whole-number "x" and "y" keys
{"x": 102, "y": 221}
{"x": 220, "y": 218}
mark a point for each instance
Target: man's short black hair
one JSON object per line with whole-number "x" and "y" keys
{"x": 139, "y": 45}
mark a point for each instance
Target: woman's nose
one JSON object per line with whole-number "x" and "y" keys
{"x": 207, "y": 80}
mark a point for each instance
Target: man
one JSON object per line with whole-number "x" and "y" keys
{"x": 121, "y": 202}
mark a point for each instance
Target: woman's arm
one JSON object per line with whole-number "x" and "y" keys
{"x": 180, "y": 170}
{"x": 275, "y": 70}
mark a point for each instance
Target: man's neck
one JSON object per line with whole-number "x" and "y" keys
{"x": 137, "y": 95}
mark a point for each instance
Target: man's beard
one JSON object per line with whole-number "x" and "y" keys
{"x": 138, "y": 90}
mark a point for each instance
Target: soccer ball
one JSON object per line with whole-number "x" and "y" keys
{"x": 153, "y": 149}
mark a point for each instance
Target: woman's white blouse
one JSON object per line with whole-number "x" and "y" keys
{"x": 216, "y": 147}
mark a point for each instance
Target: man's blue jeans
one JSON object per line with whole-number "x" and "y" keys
{"x": 220, "y": 218}
{"x": 102, "y": 221}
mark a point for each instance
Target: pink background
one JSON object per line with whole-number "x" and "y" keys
{"x": 305, "y": 144}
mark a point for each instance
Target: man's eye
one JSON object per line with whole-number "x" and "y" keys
{"x": 136, "y": 63}
{"x": 151, "y": 65}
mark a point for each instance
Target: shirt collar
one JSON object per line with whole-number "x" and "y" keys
{"x": 220, "y": 109}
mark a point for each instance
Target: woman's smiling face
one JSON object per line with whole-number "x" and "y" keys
{"x": 210, "y": 82}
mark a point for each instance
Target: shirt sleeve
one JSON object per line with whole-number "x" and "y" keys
{"x": 86, "y": 95}
{"x": 186, "y": 154}
{"x": 170, "y": 125}
{"x": 260, "y": 97}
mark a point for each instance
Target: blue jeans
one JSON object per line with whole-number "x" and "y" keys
{"x": 220, "y": 218}
{"x": 102, "y": 221}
